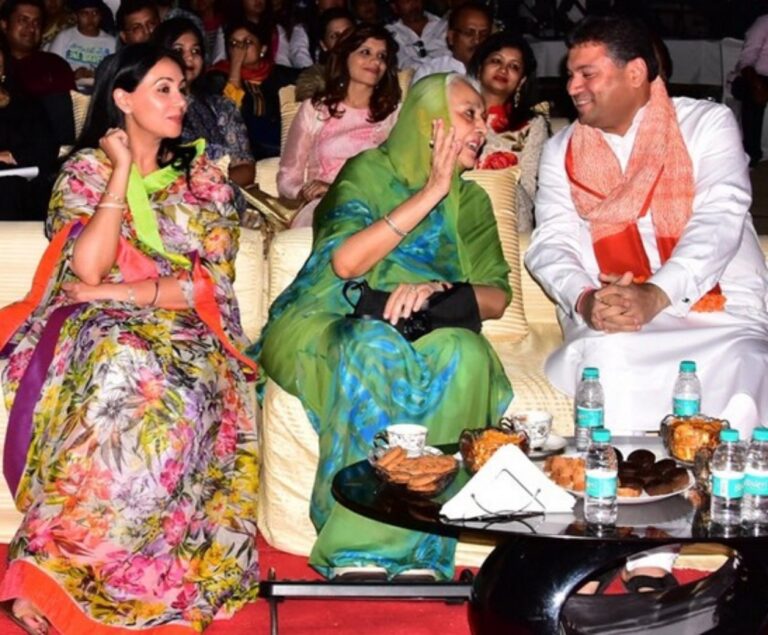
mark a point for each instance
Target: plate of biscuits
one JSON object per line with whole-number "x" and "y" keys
{"x": 424, "y": 475}
{"x": 642, "y": 478}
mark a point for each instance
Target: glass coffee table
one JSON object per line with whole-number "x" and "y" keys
{"x": 539, "y": 560}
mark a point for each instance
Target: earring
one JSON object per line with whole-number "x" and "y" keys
{"x": 516, "y": 100}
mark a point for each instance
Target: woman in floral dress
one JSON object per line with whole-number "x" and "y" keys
{"x": 131, "y": 446}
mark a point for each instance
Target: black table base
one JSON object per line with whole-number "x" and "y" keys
{"x": 524, "y": 587}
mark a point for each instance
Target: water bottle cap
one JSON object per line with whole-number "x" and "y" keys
{"x": 687, "y": 366}
{"x": 729, "y": 436}
{"x": 590, "y": 373}
{"x": 760, "y": 434}
{"x": 601, "y": 435}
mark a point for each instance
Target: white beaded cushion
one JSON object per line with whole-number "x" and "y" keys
{"x": 288, "y": 109}
{"x": 500, "y": 186}
{"x": 249, "y": 282}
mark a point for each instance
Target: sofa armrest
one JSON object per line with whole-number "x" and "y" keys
{"x": 266, "y": 175}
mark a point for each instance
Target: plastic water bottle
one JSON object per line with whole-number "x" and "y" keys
{"x": 686, "y": 396}
{"x": 602, "y": 471}
{"x": 728, "y": 464}
{"x": 588, "y": 407}
{"x": 754, "y": 506}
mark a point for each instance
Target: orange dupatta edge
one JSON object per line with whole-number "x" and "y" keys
{"x": 15, "y": 314}
{"x": 624, "y": 251}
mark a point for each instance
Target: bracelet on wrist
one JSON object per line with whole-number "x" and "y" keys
{"x": 122, "y": 208}
{"x": 391, "y": 224}
{"x": 131, "y": 295}
{"x": 157, "y": 292}
{"x": 114, "y": 197}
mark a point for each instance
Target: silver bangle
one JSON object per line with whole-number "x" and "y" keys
{"x": 394, "y": 227}
{"x": 131, "y": 295}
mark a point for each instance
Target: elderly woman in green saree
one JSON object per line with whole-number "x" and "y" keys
{"x": 400, "y": 218}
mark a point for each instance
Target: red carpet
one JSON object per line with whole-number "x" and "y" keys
{"x": 335, "y": 617}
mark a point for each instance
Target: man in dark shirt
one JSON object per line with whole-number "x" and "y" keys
{"x": 36, "y": 72}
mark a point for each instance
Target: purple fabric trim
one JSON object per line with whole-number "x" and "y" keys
{"x": 19, "y": 434}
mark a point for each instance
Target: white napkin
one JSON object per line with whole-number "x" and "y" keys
{"x": 507, "y": 483}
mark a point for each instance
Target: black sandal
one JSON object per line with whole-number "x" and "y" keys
{"x": 649, "y": 583}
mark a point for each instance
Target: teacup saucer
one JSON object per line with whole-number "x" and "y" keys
{"x": 555, "y": 444}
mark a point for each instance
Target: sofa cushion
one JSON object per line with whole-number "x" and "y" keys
{"x": 249, "y": 281}
{"x": 501, "y": 186}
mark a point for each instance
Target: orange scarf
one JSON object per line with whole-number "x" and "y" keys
{"x": 659, "y": 177}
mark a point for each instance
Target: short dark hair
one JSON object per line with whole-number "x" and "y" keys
{"x": 261, "y": 31}
{"x": 625, "y": 39}
{"x": 9, "y": 7}
{"x": 128, "y": 7}
{"x": 386, "y": 94}
{"x": 453, "y": 18}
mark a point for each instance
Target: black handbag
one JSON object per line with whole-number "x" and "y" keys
{"x": 454, "y": 307}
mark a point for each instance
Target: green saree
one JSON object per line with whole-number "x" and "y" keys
{"x": 355, "y": 377}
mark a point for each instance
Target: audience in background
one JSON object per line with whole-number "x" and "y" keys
{"x": 366, "y": 11}
{"x": 84, "y": 45}
{"x": 305, "y": 35}
{"x": 25, "y": 141}
{"x": 37, "y": 72}
{"x": 136, "y": 20}
{"x": 751, "y": 87}
{"x": 209, "y": 116}
{"x": 58, "y": 16}
{"x": 355, "y": 112}
{"x": 334, "y": 24}
{"x": 469, "y": 25}
{"x": 419, "y": 34}
{"x": 262, "y": 12}
{"x": 517, "y": 126}
{"x": 251, "y": 79}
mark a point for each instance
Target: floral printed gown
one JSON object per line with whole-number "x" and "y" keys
{"x": 139, "y": 483}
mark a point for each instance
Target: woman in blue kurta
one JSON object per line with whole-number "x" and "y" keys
{"x": 399, "y": 217}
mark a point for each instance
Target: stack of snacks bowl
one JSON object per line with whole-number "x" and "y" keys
{"x": 478, "y": 445}
{"x": 426, "y": 475}
{"x": 685, "y": 436}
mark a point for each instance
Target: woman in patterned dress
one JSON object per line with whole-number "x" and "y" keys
{"x": 355, "y": 111}
{"x": 131, "y": 447}
{"x": 400, "y": 218}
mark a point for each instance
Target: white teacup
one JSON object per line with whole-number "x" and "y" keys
{"x": 536, "y": 423}
{"x": 412, "y": 437}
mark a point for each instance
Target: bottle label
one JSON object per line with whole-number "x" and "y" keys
{"x": 685, "y": 406}
{"x": 728, "y": 484}
{"x": 756, "y": 483}
{"x": 589, "y": 417}
{"x": 601, "y": 483}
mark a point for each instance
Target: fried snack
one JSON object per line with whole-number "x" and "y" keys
{"x": 423, "y": 474}
{"x": 392, "y": 457}
{"x": 478, "y": 447}
{"x": 566, "y": 471}
{"x": 689, "y": 434}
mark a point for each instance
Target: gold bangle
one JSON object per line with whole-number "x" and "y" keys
{"x": 394, "y": 227}
{"x": 122, "y": 208}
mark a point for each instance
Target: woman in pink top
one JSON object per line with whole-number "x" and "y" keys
{"x": 355, "y": 112}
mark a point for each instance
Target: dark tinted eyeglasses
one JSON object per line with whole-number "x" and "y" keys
{"x": 421, "y": 50}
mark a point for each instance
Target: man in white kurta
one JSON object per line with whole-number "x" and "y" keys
{"x": 636, "y": 331}
{"x": 638, "y": 365}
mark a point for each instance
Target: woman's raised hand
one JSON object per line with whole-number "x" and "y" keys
{"x": 115, "y": 146}
{"x": 314, "y": 189}
{"x": 445, "y": 152}
{"x": 407, "y": 298}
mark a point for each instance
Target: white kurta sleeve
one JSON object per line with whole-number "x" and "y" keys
{"x": 298, "y": 46}
{"x": 721, "y": 204}
{"x": 555, "y": 255}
